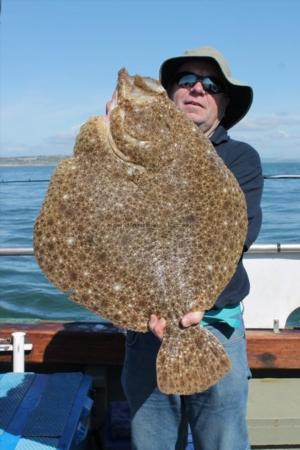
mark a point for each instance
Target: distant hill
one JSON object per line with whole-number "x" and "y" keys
{"x": 40, "y": 160}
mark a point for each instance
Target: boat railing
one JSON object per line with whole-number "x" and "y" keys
{"x": 254, "y": 249}
{"x": 295, "y": 176}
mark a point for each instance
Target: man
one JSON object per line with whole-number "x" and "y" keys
{"x": 200, "y": 84}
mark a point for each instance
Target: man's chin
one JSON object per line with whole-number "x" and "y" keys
{"x": 195, "y": 118}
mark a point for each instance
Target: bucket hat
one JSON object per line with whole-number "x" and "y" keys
{"x": 240, "y": 95}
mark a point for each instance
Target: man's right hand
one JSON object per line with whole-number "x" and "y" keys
{"x": 157, "y": 326}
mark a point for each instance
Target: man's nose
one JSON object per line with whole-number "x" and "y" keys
{"x": 198, "y": 88}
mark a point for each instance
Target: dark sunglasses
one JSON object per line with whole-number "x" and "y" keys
{"x": 210, "y": 84}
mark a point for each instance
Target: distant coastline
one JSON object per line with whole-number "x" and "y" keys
{"x": 41, "y": 160}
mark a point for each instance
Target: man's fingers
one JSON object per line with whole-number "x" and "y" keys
{"x": 157, "y": 326}
{"x": 152, "y": 322}
{"x": 111, "y": 103}
{"x": 192, "y": 318}
{"x": 108, "y": 107}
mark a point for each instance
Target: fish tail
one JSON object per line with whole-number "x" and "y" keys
{"x": 190, "y": 361}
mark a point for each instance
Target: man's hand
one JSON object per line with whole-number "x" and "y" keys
{"x": 192, "y": 318}
{"x": 111, "y": 103}
{"x": 158, "y": 326}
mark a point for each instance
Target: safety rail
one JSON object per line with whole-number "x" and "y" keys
{"x": 295, "y": 176}
{"x": 254, "y": 249}
{"x": 16, "y": 251}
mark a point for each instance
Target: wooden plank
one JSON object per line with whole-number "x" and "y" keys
{"x": 79, "y": 343}
{"x": 103, "y": 344}
{"x": 269, "y": 350}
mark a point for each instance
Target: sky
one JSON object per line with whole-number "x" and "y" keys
{"x": 60, "y": 58}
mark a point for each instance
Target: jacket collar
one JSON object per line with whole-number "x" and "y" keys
{"x": 220, "y": 135}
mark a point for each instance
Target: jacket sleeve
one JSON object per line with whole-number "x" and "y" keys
{"x": 248, "y": 171}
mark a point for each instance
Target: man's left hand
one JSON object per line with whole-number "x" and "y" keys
{"x": 192, "y": 318}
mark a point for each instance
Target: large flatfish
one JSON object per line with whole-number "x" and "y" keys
{"x": 145, "y": 219}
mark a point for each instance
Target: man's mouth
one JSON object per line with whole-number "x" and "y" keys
{"x": 194, "y": 104}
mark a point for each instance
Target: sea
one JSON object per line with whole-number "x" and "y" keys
{"x": 25, "y": 293}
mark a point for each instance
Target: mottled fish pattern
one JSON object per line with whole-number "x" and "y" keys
{"x": 144, "y": 219}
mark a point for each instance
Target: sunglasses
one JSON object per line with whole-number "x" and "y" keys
{"x": 210, "y": 84}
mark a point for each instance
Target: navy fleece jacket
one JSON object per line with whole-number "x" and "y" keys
{"x": 244, "y": 163}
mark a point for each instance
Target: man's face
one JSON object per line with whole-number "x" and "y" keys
{"x": 205, "y": 109}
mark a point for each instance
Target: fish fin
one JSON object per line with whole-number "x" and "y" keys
{"x": 190, "y": 361}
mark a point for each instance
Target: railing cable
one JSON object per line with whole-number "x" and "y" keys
{"x": 266, "y": 177}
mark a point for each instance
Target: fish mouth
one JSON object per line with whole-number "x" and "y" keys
{"x": 120, "y": 155}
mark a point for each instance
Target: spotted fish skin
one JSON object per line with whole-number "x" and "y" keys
{"x": 145, "y": 219}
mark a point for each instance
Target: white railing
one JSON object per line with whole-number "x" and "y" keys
{"x": 274, "y": 248}
{"x": 254, "y": 249}
{"x": 16, "y": 251}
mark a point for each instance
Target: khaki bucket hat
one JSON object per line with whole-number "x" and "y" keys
{"x": 240, "y": 95}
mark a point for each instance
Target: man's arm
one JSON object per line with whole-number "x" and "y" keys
{"x": 248, "y": 171}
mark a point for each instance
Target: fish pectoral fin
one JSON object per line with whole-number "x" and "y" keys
{"x": 190, "y": 362}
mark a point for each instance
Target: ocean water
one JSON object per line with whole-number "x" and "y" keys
{"x": 25, "y": 293}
